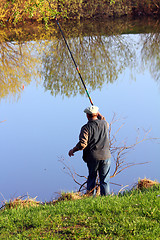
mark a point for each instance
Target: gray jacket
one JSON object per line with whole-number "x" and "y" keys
{"x": 93, "y": 139}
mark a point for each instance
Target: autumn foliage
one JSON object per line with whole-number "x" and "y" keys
{"x": 15, "y": 11}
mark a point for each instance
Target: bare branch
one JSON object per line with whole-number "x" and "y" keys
{"x": 3, "y": 121}
{"x": 72, "y": 172}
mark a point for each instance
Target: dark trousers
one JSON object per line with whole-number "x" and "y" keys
{"x": 103, "y": 168}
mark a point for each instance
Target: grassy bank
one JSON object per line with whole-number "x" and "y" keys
{"x": 131, "y": 215}
{"x": 15, "y": 11}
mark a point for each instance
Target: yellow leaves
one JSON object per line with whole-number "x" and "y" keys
{"x": 20, "y": 57}
{"x": 3, "y": 10}
{"x": 20, "y": 10}
{"x": 17, "y": 67}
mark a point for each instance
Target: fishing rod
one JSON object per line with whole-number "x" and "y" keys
{"x": 72, "y": 57}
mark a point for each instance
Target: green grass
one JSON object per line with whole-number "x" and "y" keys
{"x": 131, "y": 215}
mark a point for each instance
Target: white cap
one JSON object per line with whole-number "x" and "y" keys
{"x": 91, "y": 110}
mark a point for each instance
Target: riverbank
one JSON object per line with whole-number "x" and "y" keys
{"x": 40, "y": 10}
{"x": 131, "y": 215}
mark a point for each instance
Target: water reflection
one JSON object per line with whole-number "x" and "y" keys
{"x": 98, "y": 58}
{"x": 104, "y": 54}
{"x": 17, "y": 66}
{"x": 102, "y": 51}
{"x": 150, "y": 54}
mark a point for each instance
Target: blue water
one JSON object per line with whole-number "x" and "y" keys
{"x": 40, "y": 129}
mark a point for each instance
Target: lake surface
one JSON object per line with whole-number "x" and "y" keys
{"x": 42, "y": 101}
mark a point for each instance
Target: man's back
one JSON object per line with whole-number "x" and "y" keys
{"x": 98, "y": 142}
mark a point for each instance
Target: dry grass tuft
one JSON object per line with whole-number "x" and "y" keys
{"x": 146, "y": 183}
{"x": 22, "y": 203}
{"x": 69, "y": 196}
{"x": 66, "y": 197}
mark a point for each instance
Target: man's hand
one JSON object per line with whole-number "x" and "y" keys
{"x": 71, "y": 153}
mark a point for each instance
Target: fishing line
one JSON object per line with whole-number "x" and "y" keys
{"x": 72, "y": 57}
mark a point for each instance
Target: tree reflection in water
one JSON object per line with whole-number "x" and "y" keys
{"x": 100, "y": 55}
{"x": 151, "y": 54}
{"x": 102, "y": 50}
{"x": 17, "y": 67}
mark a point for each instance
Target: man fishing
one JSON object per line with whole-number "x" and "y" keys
{"x": 94, "y": 142}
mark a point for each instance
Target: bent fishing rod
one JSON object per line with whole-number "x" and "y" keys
{"x": 72, "y": 57}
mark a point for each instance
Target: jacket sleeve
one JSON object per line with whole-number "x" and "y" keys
{"x": 83, "y": 138}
